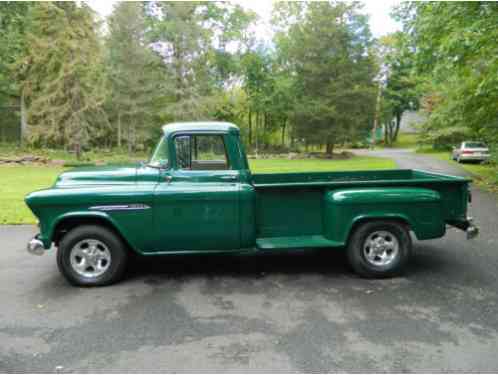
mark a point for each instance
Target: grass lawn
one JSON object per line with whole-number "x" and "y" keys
{"x": 406, "y": 140}
{"x": 484, "y": 175}
{"x": 356, "y": 163}
{"x": 17, "y": 181}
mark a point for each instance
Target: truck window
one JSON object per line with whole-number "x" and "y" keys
{"x": 160, "y": 156}
{"x": 201, "y": 152}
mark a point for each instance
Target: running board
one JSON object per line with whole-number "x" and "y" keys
{"x": 295, "y": 242}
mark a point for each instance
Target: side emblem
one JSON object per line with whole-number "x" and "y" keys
{"x": 121, "y": 207}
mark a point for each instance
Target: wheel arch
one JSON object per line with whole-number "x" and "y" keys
{"x": 360, "y": 220}
{"x": 67, "y": 222}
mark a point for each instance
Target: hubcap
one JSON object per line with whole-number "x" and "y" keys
{"x": 90, "y": 258}
{"x": 381, "y": 248}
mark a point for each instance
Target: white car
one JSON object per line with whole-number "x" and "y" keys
{"x": 470, "y": 151}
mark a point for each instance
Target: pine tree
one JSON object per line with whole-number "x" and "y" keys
{"x": 135, "y": 73}
{"x": 327, "y": 49}
{"x": 62, "y": 75}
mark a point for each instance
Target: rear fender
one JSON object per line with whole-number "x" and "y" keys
{"x": 419, "y": 208}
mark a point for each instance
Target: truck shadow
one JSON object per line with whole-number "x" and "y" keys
{"x": 424, "y": 262}
{"x": 305, "y": 262}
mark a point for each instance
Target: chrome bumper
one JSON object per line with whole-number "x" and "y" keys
{"x": 472, "y": 231}
{"x": 467, "y": 225}
{"x": 35, "y": 246}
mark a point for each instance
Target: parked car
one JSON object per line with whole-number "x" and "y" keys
{"x": 470, "y": 151}
{"x": 197, "y": 195}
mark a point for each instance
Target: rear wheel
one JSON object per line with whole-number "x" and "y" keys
{"x": 91, "y": 255}
{"x": 379, "y": 249}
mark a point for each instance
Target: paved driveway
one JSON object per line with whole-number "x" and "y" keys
{"x": 288, "y": 313}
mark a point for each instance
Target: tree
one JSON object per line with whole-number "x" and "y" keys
{"x": 13, "y": 20}
{"x": 399, "y": 88}
{"x": 62, "y": 76}
{"x": 193, "y": 39}
{"x": 327, "y": 47}
{"x": 455, "y": 52}
{"x": 135, "y": 73}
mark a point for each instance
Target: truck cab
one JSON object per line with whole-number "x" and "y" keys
{"x": 197, "y": 195}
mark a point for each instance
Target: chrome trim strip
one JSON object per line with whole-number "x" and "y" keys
{"x": 121, "y": 207}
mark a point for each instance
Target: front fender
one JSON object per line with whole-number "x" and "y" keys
{"x": 124, "y": 223}
{"x": 48, "y": 230}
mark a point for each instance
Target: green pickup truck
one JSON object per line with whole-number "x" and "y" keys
{"x": 197, "y": 195}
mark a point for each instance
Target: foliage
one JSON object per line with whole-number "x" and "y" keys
{"x": 456, "y": 55}
{"x": 327, "y": 48}
{"x": 62, "y": 76}
{"x": 158, "y": 62}
{"x": 13, "y": 19}
{"x": 399, "y": 84}
{"x": 137, "y": 79}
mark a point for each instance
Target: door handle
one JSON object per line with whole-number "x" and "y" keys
{"x": 168, "y": 179}
{"x": 229, "y": 178}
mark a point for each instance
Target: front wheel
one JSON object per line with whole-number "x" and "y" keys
{"x": 91, "y": 255}
{"x": 379, "y": 249}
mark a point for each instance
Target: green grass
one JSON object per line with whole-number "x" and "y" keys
{"x": 17, "y": 181}
{"x": 406, "y": 140}
{"x": 484, "y": 175}
{"x": 357, "y": 163}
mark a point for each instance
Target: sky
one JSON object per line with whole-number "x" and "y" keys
{"x": 378, "y": 10}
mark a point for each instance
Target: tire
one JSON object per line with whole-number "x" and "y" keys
{"x": 91, "y": 255}
{"x": 382, "y": 261}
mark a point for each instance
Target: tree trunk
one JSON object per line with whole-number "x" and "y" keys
{"x": 265, "y": 124}
{"x": 250, "y": 128}
{"x": 283, "y": 131}
{"x": 256, "y": 132}
{"x": 388, "y": 134}
{"x": 24, "y": 120}
{"x": 330, "y": 147}
{"x": 129, "y": 139}
{"x": 376, "y": 116}
{"x": 398, "y": 124}
{"x": 119, "y": 129}
{"x": 77, "y": 149}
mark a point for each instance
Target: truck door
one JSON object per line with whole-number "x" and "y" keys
{"x": 196, "y": 202}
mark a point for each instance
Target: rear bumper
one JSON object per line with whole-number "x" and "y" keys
{"x": 474, "y": 157}
{"x": 468, "y": 226}
{"x": 472, "y": 232}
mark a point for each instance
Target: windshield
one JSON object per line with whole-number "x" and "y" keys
{"x": 160, "y": 156}
{"x": 475, "y": 145}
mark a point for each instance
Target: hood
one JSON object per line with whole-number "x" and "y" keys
{"x": 102, "y": 175}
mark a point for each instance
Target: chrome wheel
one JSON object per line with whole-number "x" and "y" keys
{"x": 381, "y": 248}
{"x": 90, "y": 258}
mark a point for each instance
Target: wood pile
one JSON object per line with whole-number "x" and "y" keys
{"x": 26, "y": 159}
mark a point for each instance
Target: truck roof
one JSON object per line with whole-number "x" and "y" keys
{"x": 200, "y": 126}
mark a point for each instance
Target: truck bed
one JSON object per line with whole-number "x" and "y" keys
{"x": 297, "y": 209}
{"x": 406, "y": 177}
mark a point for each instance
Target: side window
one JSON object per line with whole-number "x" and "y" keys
{"x": 201, "y": 152}
{"x": 183, "y": 152}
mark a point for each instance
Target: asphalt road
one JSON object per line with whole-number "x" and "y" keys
{"x": 279, "y": 314}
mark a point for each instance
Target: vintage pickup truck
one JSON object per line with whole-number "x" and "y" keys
{"x": 197, "y": 195}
